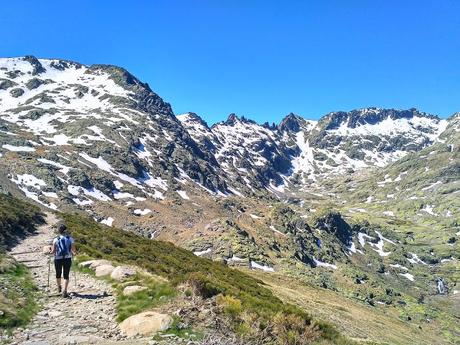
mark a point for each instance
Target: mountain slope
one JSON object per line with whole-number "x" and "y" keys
{"x": 99, "y": 117}
{"x": 362, "y": 203}
{"x": 98, "y": 134}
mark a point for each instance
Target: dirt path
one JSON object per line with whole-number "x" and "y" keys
{"x": 88, "y": 316}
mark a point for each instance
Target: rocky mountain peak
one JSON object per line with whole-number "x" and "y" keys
{"x": 454, "y": 116}
{"x": 234, "y": 119}
{"x": 193, "y": 118}
{"x": 290, "y": 122}
{"x": 195, "y": 125}
{"x": 271, "y": 126}
{"x": 141, "y": 92}
{"x": 231, "y": 119}
{"x": 37, "y": 66}
{"x": 370, "y": 116}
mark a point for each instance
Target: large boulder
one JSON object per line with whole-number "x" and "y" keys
{"x": 145, "y": 324}
{"x": 129, "y": 290}
{"x": 121, "y": 273}
{"x": 104, "y": 270}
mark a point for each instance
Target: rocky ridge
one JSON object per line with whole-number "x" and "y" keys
{"x": 97, "y": 133}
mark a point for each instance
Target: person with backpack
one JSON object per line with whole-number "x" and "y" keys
{"x": 63, "y": 249}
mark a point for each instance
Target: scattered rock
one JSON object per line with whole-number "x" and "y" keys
{"x": 122, "y": 272}
{"x": 6, "y": 84}
{"x": 16, "y": 92}
{"x": 146, "y": 323}
{"x": 129, "y": 290}
{"x": 104, "y": 270}
{"x": 54, "y": 313}
{"x": 93, "y": 264}
{"x": 34, "y": 83}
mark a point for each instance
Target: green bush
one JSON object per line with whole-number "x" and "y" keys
{"x": 294, "y": 330}
{"x": 230, "y": 305}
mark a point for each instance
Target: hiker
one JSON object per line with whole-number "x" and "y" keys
{"x": 63, "y": 249}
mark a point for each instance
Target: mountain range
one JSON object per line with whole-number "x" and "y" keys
{"x": 363, "y": 203}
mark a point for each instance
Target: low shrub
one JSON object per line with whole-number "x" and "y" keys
{"x": 231, "y": 306}
{"x": 291, "y": 329}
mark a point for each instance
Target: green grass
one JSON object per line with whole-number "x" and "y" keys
{"x": 155, "y": 294}
{"x": 17, "y": 298}
{"x": 18, "y": 291}
{"x": 176, "y": 264}
{"x": 17, "y": 219}
{"x": 179, "y": 330}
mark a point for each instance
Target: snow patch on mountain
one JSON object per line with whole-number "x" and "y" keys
{"x": 107, "y": 221}
{"x": 264, "y": 268}
{"x": 18, "y": 148}
{"x": 142, "y": 212}
{"x": 319, "y": 263}
{"x": 203, "y": 252}
{"x": 183, "y": 194}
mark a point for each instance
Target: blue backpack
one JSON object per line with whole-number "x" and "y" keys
{"x": 63, "y": 246}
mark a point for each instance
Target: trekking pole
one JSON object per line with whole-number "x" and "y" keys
{"x": 75, "y": 277}
{"x": 49, "y": 271}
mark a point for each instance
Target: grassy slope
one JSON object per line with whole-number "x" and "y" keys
{"x": 17, "y": 219}
{"x": 179, "y": 266}
{"x": 379, "y": 324}
{"x": 17, "y": 296}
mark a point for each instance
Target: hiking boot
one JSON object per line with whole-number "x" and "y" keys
{"x": 65, "y": 294}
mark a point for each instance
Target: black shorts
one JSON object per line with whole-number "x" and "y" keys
{"x": 62, "y": 265}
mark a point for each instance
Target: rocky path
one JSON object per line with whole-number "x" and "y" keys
{"x": 87, "y": 317}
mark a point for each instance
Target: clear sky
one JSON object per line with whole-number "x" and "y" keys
{"x": 262, "y": 59}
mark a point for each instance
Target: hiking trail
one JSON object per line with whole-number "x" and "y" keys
{"x": 88, "y": 316}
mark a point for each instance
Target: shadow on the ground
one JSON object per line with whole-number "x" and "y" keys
{"x": 89, "y": 296}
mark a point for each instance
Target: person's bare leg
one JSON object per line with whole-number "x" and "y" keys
{"x": 66, "y": 284}
{"x": 58, "y": 281}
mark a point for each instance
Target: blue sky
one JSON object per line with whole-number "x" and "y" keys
{"x": 261, "y": 59}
